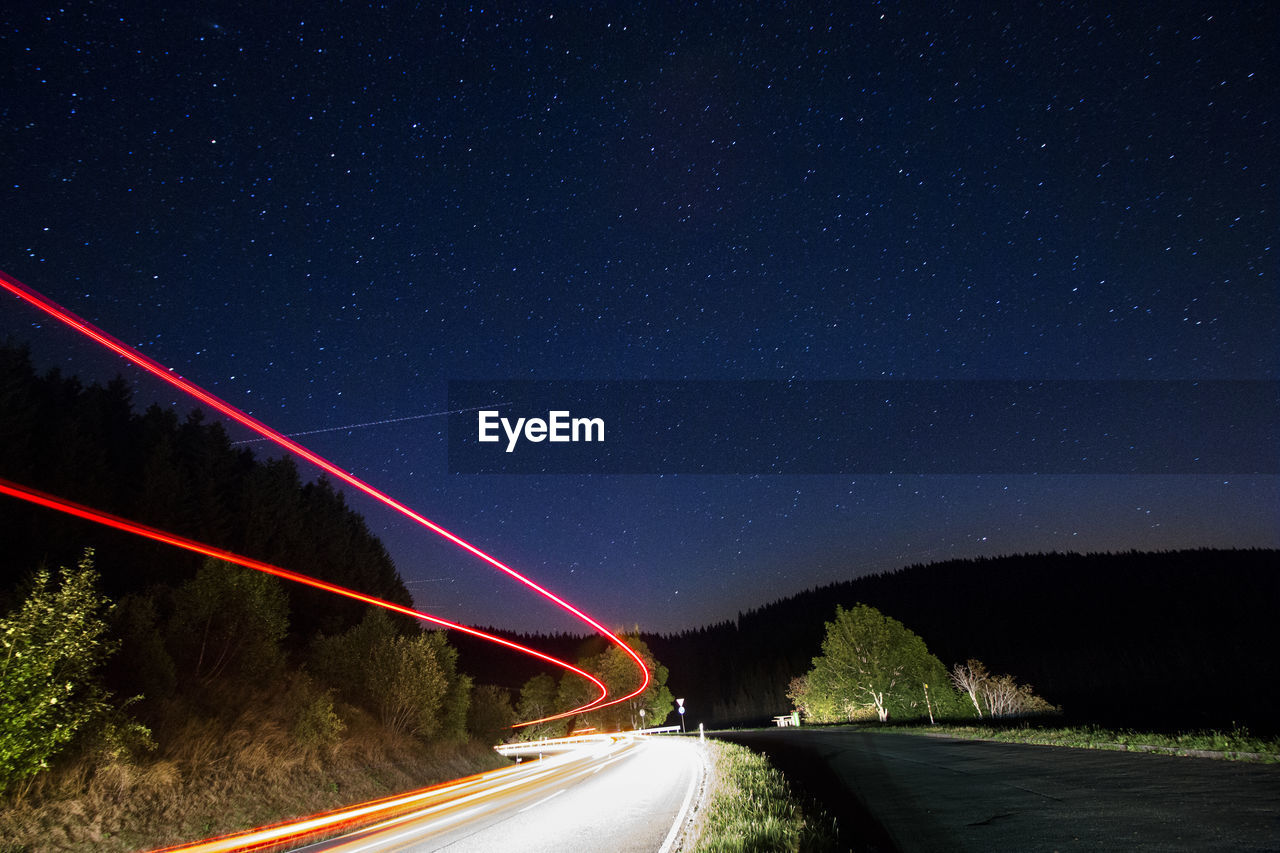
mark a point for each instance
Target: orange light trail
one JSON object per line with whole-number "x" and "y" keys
{"x": 153, "y": 367}
{"x": 292, "y": 832}
{"x": 71, "y": 508}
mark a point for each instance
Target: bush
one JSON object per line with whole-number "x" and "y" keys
{"x": 143, "y": 664}
{"x": 491, "y": 715}
{"x": 229, "y": 621}
{"x": 410, "y": 682}
{"x": 319, "y": 728}
{"x": 51, "y": 650}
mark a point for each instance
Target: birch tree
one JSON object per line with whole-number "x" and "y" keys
{"x": 968, "y": 678}
{"x": 1002, "y": 695}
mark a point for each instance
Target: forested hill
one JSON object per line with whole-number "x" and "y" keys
{"x": 182, "y": 475}
{"x": 1180, "y": 639}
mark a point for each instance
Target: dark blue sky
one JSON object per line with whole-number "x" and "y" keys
{"x": 326, "y": 213}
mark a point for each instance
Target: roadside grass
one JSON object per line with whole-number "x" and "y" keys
{"x": 220, "y": 771}
{"x": 1236, "y": 745}
{"x": 754, "y": 808}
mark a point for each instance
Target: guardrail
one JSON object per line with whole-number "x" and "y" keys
{"x": 559, "y": 744}
{"x": 562, "y": 744}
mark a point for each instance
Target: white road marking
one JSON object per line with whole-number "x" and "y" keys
{"x": 674, "y": 832}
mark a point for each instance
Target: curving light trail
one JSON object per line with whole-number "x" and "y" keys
{"x": 81, "y": 511}
{"x": 153, "y": 367}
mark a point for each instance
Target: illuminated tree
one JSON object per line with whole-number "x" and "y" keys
{"x": 815, "y": 707}
{"x": 1002, "y": 694}
{"x": 968, "y": 678}
{"x": 342, "y": 661}
{"x": 51, "y": 649}
{"x": 407, "y": 682}
{"x": 870, "y": 660}
{"x": 619, "y": 672}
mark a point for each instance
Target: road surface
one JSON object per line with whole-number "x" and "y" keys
{"x": 628, "y": 796}
{"x": 917, "y": 793}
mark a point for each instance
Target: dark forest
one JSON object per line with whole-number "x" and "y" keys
{"x": 1184, "y": 639}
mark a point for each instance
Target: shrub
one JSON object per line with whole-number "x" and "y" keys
{"x": 51, "y": 650}
{"x": 410, "y": 682}
{"x": 319, "y": 728}
{"x": 229, "y": 620}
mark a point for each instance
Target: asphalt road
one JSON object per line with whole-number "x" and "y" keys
{"x": 626, "y": 797}
{"x": 916, "y": 793}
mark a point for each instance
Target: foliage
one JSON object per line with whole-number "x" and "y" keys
{"x": 228, "y": 621}
{"x": 407, "y": 685}
{"x": 143, "y": 664}
{"x": 342, "y": 660}
{"x": 51, "y": 651}
{"x": 491, "y": 714}
{"x": 754, "y": 808}
{"x": 538, "y": 699}
{"x": 821, "y": 707}
{"x": 318, "y": 726}
{"x": 1167, "y": 619}
{"x": 1001, "y": 695}
{"x": 870, "y": 660}
{"x": 410, "y": 681}
{"x": 457, "y": 698}
{"x": 618, "y": 671}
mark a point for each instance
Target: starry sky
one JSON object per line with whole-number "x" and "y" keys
{"x": 325, "y": 212}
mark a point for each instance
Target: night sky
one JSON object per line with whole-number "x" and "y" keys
{"x": 324, "y": 214}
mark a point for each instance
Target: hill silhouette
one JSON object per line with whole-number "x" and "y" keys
{"x": 1183, "y": 639}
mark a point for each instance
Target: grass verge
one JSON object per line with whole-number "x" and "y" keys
{"x": 1237, "y": 745}
{"x": 754, "y": 808}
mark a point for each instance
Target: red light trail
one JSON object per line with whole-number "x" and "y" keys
{"x": 292, "y": 832}
{"x": 81, "y": 511}
{"x": 153, "y": 367}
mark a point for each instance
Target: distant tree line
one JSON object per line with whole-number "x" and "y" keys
{"x": 543, "y": 695}
{"x": 518, "y": 691}
{"x": 1109, "y": 638}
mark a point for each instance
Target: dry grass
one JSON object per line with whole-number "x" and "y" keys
{"x": 218, "y": 772}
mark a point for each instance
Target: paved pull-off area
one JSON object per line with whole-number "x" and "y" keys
{"x": 933, "y": 793}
